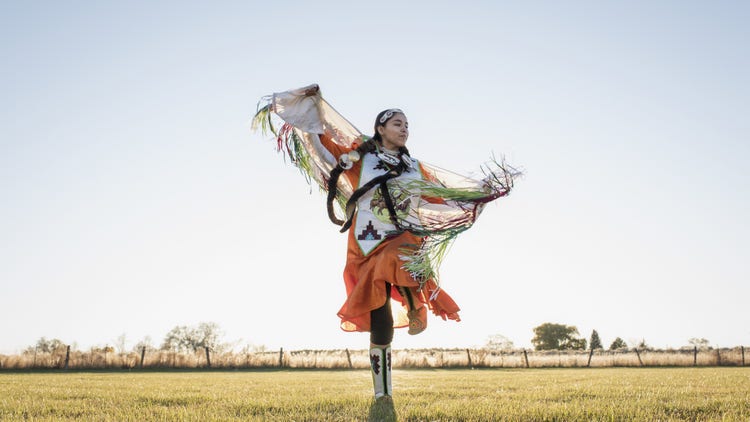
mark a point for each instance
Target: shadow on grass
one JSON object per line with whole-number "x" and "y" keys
{"x": 382, "y": 410}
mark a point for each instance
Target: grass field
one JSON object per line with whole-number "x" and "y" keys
{"x": 420, "y": 395}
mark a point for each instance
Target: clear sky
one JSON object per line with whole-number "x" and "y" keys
{"x": 135, "y": 198}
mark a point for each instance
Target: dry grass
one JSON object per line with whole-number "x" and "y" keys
{"x": 612, "y": 394}
{"x": 405, "y": 358}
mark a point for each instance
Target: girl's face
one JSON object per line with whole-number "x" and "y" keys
{"x": 395, "y": 132}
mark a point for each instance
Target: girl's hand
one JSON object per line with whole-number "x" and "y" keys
{"x": 311, "y": 90}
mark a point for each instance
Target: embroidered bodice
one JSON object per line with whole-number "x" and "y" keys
{"x": 373, "y": 220}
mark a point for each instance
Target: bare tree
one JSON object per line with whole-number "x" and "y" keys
{"x": 147, "y": 343}
{"x": 120, "y": 343}
{"x": 498, "y": 342}
{"x": 180, "y": 338}
{"x": 184, "y": 338}
{"x": 700, "y": 343}
{"x": 639, "y": 344}
{"x": 46, "y": 346}
{"x": 208, "y": 335}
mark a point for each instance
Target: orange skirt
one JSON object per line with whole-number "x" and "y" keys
{"x": 365, "y": 277}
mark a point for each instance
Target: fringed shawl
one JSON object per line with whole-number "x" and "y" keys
{"x": 449, "y": 203}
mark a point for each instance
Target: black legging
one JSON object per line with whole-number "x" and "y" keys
{"x": 381, "y": 321}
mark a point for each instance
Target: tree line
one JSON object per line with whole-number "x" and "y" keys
{"x": 552, "y": 336}
{"x": 184, "y": 338}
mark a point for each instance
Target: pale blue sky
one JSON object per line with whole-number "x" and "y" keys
{"x": 135, "y": 198}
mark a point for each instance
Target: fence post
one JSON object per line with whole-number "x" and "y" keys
{"x": 468, "y": 355}
{"x": 526, "y": 358}
{"x": 208, "y": 357}
{"x": 349, "y": 358}
{"x": 742, "y": 349}
{"x": 695, "y": 355}
{"x": 640, "y": 362}
{"x": 143, "y": 355}
{"x": 591, "y": 353}
{"x": 281, "y": 357}
{"x": 67, "y": 357}
{"x": 718, "y": 357}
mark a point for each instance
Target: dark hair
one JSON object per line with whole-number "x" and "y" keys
{"x": 376, "y": 136}
{"x": 380, "y": 115}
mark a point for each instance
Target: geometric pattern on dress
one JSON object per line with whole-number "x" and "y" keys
{"x": 369, "y": 233}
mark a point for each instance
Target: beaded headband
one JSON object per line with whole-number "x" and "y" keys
{"x": 388, "y": 114}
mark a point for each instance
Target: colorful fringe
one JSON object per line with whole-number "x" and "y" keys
{"x": 464, "y": 198}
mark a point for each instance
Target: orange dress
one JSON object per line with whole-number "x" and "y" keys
{"x": 368, "y": 270}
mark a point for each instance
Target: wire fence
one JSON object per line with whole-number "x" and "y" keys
{"x": 64, "y": 358}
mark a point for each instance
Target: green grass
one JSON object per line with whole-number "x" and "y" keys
{"x": 420, "y": 395}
